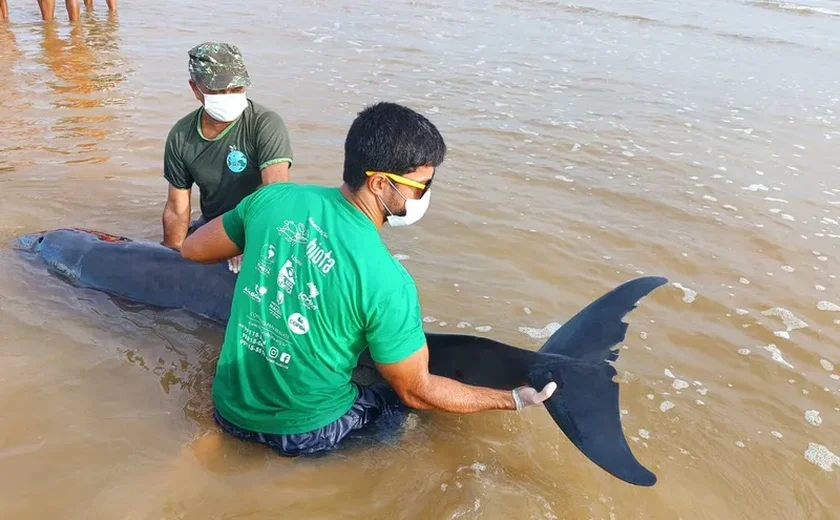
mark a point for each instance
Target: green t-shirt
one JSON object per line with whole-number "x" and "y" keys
{"x": 227, "y": 168}
{"x": 317, "y": 286}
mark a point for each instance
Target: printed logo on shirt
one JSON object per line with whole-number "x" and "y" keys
{"x": 308, "y": 299}
{"x": 298, "y": 323}
{"x": 319, "y": 256}
{"x": 318, "y": 228}
{"x": 286, "y": 277}
{"x": 274, "y": 307}
{"x": 279, "y": 358}
{"x": 236, "y": 160}
{"x": 267, "y": 258}
{"x": 256, "y": 293}
{"x": 293, "y": 232}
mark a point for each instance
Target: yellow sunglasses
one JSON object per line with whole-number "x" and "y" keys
{"x": 402, "y": 180}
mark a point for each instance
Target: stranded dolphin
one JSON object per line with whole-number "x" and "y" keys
{"x": 585, "y": 405}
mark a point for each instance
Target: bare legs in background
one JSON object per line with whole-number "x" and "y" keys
{"x": 112, "y": 5}
{"x": 48, "y": 8}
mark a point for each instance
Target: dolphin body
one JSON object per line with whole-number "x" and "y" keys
{"x": 585, "y": 405}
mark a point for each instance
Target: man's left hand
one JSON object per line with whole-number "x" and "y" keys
{"x": 235, "y": 263}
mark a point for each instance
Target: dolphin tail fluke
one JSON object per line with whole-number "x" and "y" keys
{"x": 586, "y": 405}
{"x": 591, "y": 333}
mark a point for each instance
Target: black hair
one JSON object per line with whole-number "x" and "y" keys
{"x": 388, "y": 137}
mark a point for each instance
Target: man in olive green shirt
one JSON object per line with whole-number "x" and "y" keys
{"x": 318, "y": 286}
{"x": 228, "y": 147}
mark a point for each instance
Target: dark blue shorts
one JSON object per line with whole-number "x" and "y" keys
{"x": 376, "y": 415}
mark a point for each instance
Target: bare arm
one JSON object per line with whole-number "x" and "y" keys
{"x": 209, "y": 244}
{"x": 176, "y": 217}
{"x": 277, "y": 172}
{"x": 419, "y": 389}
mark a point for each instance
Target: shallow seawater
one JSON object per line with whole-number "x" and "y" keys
{"x": 590, "y": 143}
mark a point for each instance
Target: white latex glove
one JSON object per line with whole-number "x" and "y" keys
{"x": 526, "y": 396}
{"x": 235, "y": 263}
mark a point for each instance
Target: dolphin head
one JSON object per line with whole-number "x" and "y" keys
{"x": 61, "y": 249}
{"x": 31, "y": 242}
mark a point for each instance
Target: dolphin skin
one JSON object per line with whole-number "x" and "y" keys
{"x": 577, "y": 356}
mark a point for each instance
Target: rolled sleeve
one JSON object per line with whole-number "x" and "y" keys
{"x": 233, "y": 222}
{"x": 395, "y": 326}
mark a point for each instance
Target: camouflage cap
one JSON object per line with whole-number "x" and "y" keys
{"x": 217, "y": 66}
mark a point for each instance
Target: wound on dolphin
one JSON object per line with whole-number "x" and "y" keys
{"x": 577, "y": 356}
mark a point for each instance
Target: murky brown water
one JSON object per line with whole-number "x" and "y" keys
{"x": 589, "y": 143}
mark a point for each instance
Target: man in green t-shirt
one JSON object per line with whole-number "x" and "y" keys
{"x": 318, "y": 286}
{"x": 228, "y": 147}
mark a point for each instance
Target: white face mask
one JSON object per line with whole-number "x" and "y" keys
{"x": 225, "y": 107}
{"x": 414, "y": 209}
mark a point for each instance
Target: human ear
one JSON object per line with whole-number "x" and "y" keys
{"x": 377, "y": 184}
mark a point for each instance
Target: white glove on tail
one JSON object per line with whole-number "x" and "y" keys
{"x": 526, "y": 396}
